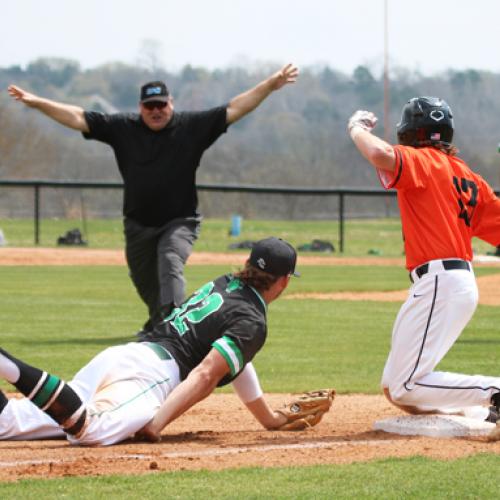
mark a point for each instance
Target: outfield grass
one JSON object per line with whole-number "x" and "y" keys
{"x": 415, "y": 477}
{"x": 362, "y": 237}
{"x": 59, "y": 317}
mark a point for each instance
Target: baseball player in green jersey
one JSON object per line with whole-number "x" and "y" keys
{"x": 140, "y": 387}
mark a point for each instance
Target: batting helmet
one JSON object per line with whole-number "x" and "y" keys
{"x": 425, "y": 121}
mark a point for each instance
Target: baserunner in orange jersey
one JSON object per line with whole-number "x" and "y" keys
{"x": 443, "y": 204}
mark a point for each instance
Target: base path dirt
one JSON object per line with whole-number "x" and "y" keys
{"x": 11, "y": 256}
{"x": 39, "y": 256}
{"x": 489, "y": 293}
{"x": 220, "y": 433}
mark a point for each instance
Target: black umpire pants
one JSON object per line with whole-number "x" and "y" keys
{"x": 156, "y": 257}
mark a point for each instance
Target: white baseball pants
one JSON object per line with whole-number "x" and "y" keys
{"x": 122, "y": 387}
{"x": 439, "y": 305}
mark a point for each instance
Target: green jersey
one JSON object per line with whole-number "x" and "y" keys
{"x": 224, "y": 314}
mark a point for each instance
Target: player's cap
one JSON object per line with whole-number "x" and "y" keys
{"x": 154, "y": 91}
{"x": 274, "y": 256}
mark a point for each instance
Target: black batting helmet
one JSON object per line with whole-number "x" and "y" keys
{"x": 425, "y": 121}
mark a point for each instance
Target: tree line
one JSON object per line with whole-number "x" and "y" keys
{"x": 296, "y": 138}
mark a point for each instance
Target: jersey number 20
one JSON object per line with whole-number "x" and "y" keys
{"x": 202, "y": 304}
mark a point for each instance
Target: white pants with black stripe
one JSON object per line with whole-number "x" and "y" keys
{"x": 122, "y": 388}
{"x": 438, "y": 307}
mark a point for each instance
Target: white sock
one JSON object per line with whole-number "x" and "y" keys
{"x": 9, "y": 370}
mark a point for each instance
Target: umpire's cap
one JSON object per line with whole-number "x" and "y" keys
{"x": 274, "y": 256}
{"x": 154, "y": 91}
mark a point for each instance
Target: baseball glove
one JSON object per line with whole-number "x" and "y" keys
{"x": 307, "y": 410}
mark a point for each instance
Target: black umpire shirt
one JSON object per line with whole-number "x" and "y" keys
{"x": 158, "y": 168}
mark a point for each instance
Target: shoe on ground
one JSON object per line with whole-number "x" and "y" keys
{"x": 493, "y": 416}
{"x": 495, "y": 433}
{"x": 495, "y": 401}
{"x": 3, "y": 401}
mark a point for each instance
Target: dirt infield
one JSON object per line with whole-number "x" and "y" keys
{"x": 489, "y": 293}
{"x": 219, "y": 433}
{"x": 11, "y": 256}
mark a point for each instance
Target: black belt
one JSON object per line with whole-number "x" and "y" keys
{"x": 447, "y": 265}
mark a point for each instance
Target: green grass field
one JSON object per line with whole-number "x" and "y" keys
{"x": 83, "y": 309}
{"x": 414, "y": 478}
{"x": 59, "y": 317}
{"x": 362, "y": 237}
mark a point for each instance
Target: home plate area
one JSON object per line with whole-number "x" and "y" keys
{"x": 440, "y": 426}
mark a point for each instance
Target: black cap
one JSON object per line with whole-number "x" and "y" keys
{"x": 154, "y": 91}
{"x": 274, "y": 256}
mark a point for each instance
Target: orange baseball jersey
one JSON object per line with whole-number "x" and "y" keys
{"x": 443, "y": 204}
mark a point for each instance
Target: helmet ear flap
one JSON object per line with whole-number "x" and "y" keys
{"x": 406, "y": 138}
{"x": 413, "y": 137}
{"x": 421, "y": 135}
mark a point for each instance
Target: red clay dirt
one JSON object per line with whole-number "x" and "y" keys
{"x": 11, "y": 256}
{"x": 219, "y": 432}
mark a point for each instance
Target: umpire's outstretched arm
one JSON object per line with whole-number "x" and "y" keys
{"x": 244, "y": 103}
{"x": 66, "y": 114}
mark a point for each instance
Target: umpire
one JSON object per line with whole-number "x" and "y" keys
{"x": 158, "y": 152}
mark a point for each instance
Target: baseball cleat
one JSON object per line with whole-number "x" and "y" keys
{"x": 493, "y": 415}
{"x": 495, "y": 433}
{"x": 3, "y": 401}
{"x": 495, "y": 401}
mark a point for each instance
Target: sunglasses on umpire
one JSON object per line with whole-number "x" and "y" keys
{"x": 151, "y": 105}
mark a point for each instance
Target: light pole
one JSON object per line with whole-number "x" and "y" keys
{"x": 386, "y": 71}
{"x": 386, "y": 86}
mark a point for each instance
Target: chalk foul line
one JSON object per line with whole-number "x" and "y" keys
{"x": 211, "y": 452}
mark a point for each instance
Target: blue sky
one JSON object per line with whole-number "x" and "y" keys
{"x": 429, "y": 35}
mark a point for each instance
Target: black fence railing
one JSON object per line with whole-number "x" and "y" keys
{"x": 342, "y": 193}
